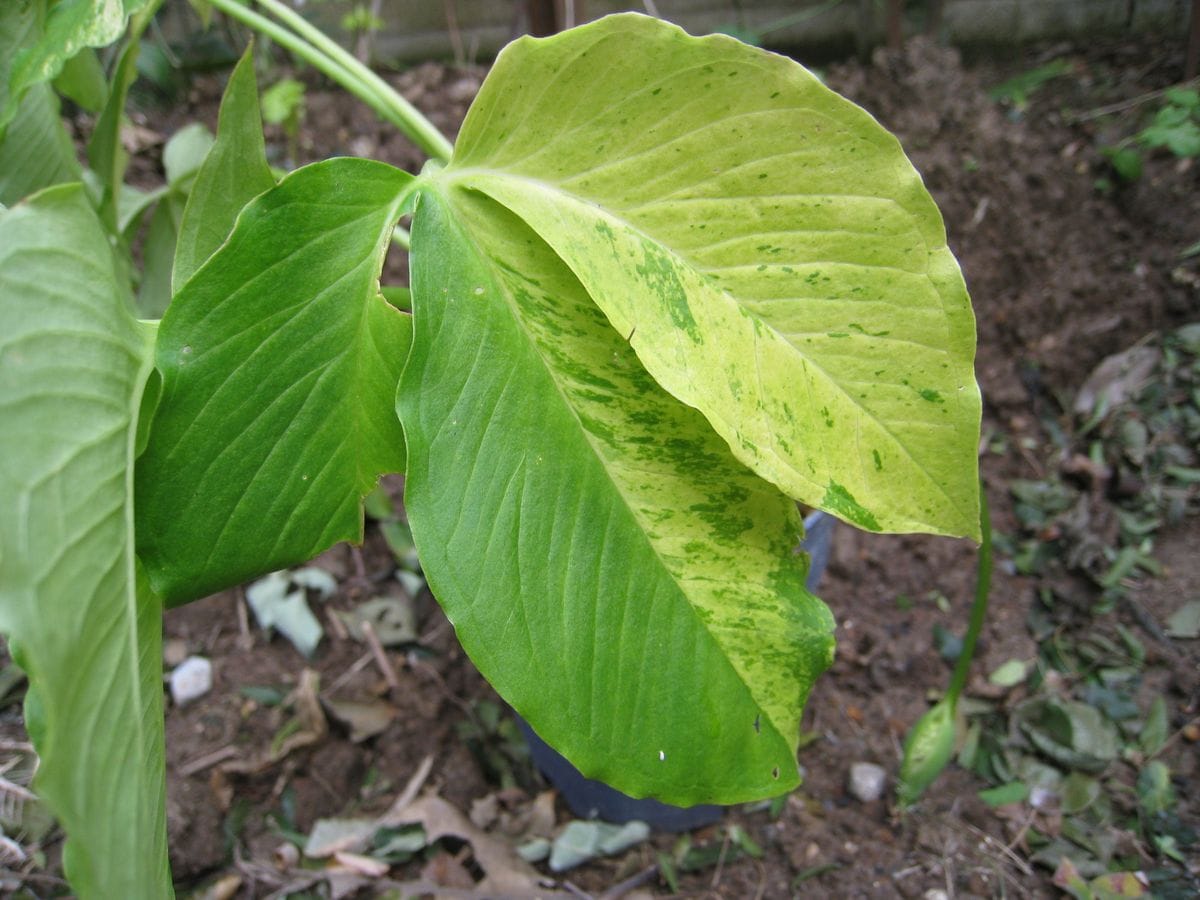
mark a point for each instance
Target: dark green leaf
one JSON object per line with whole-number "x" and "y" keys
{"x": 279, "y": 364}
{"x": 82, "y": 80}
{"x": 234, "y": 173}
{"x": 36, "y": 150}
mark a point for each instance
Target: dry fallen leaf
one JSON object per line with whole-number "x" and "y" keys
{"x": 364, "y": 718}
{"x": 504, "y": 871}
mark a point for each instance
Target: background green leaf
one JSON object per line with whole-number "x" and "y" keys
{"x": 81, "y": 622}
{"x": 234, "y": 173}
{"x": 35, "y": 149}
{"x": 82, "y": 80}
{"x": 65, "y": 29}
{"x": 630, "y": 588}
{"x": 279, "y": 362}
{"x": 766, "y": 246}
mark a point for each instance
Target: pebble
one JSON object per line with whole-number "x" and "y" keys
{"x": 867, "y": 781}
{"x": 190, "y": 680}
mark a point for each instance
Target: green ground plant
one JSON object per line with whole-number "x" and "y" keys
{"x": 1175, "y": 128}
{"x": 663, "y": 288}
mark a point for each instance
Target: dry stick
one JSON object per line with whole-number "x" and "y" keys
{"x": 336, "y": 625}
{"x": 716, "y": 879}
{"x": 200, "y": 763}
{"x": 621, "y": 888}
{"x": 411, "y": 789}
{"x": 357, "y": 666}
{"x": 381, "y": 660}
{"x": 1007, "y": 852}
{"x": 245, "y": 638}
{"x": 1122, "y": 105}
{"x": 1174, "y": 737}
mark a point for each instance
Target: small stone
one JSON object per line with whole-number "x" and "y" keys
{"x": 935, "y": 894}
{"x": 867, "y": 781}
{"x": 191, "y": 680}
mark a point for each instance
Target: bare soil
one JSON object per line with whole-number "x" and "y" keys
{"x": 1062, "y": 274}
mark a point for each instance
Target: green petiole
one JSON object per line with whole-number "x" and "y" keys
{"x": 308, "y": 43}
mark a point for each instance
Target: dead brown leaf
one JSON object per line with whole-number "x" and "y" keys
{"x": 504, "y": 871}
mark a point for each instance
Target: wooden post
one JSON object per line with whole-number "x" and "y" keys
{"x": 1193, "y": 46}
{"x": 866, "y": 30}
{"x": 895, "y": 24}
{"x": 542, "y": 17}
{"x": 933, "y": 19}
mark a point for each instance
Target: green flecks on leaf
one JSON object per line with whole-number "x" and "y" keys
{"x": 878, "y": 460}
{"x": 841, "y": 208}
{"x": 839, "y": 501}
{"x": 931, "y": 395}
{"x": 661, "y": 279}
{"x": 854, "y": 326}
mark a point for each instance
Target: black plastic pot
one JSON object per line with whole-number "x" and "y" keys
{"x": 591, "y": 799}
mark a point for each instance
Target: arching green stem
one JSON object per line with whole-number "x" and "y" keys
{"x": 983, "y": 587}
{"x": 930, "y": 743}
{"x": 308, "y": 43}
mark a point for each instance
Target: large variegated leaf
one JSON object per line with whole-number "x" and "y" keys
{"x": 767, "y": 248}
{"x": 82, "y": 623}
{"x": 279, "y": 365}
{"x": 623, "y": 581}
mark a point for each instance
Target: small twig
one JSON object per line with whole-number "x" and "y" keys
{"x": 19, "y": 746}
{"x": 621, "y": 888}
{"x": 1132, "y": 102}
{"x": 576, "y": 891}
{"x": 996, "y": 845}
{"x": 1174, "y": 737}
{"x": 761, "y": 890}
{"x": 357, "y": 666}
{"x": 381, "y": 660}
{"x": 187, "y": 770}
{"x": 336, "y": 625}
{"x": 409, "y": 794}
{"x": 716, "y": 879}
{"x": 245, "y": 638}
{"x": 422, "y": 667}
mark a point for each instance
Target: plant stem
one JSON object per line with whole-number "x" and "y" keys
{"x": 372, "y": 90}
{"x": 406, "y": 116}
{"x": 983, "y": 587}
